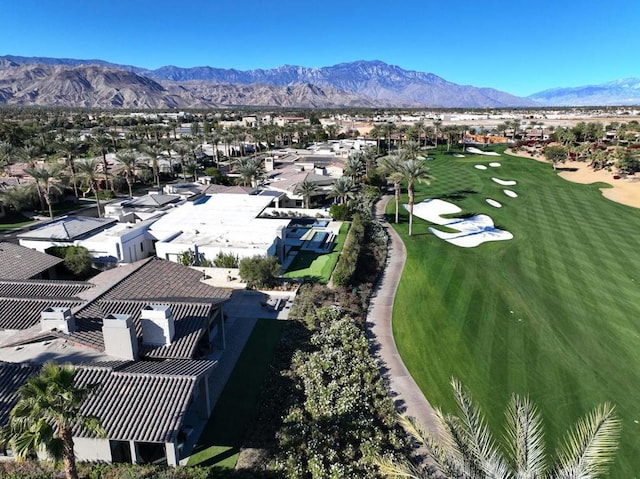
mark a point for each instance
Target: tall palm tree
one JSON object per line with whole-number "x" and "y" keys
{"x": 414, "y": 171}
{"x": 412, "y": 149}
{"x": 101, "y": 145}
{"x": 48, "y": 408}
{"x": 436, "y": 126}
{"x": 129, "y": 161}
{"x": 343, "y": 189}
{"x": 356, "y": 166}
{"x": 182, "y": 149}
{"x": 47, "y": 179}
{"x": 306, "y": 189}
{"x": 87, "y": 171}
{"x": 392, "y": 166}
{"x": 466, "y": 449}
{"x": 70, "y": 147}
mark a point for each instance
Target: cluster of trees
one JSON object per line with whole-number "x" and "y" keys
{"x": 259, "y": 271}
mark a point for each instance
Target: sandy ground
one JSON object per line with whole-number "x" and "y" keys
{"x": 625, "y": 190}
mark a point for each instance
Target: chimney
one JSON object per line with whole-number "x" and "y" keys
{"x": 120, "y": 339}
{"x": 57, "y": 318}
{"x": 158, "y": 326}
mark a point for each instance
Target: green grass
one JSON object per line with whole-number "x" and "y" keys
{"x": 222, "y": 437}
{"x": 13, "y": 221}
{"x": 553, "y": 313}
{"x": 315, "y": 266}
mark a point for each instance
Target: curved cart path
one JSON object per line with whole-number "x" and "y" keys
{"x": 407, "y": 396}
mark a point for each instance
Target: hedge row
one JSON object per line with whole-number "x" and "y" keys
{"x": 346, "y": 267}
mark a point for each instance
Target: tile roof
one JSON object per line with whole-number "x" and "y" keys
{"x": 12, "y": 376}
{"x": 18, "y": 262}
{"x": 68, "y": 228}
{"x": 137, "y": 406}
{"x": 191, "y": 323}
{"x": 162, "y": 280}
{"x": 141, "y": 401}
{"x": 40, "y": 288}
{"x": 23, "y": 313}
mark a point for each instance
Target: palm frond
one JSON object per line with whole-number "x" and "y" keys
{"x": 391, "y": 468}
{"x": 590, "y": 447}
{"x": 475, "y": 435}
{"x": 525, "y": 439}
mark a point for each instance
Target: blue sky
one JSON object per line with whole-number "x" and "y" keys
{"x": 518, "y": 47}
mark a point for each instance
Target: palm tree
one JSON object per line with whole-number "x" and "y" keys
{"x": 46, "y": 177}
{"x": 101, "y": 145}
{"x": 306, "y": 189}
{"x": 182, "y": 149}
{"x": 343, "y": 189}
{"x": 392, "y": 166}
{"x": 466, "y": 449}
{"x": 47, "y": 411}
{"x": 251, "y": 171}
{"x": 414, "y": 171}
{"x": 129, "y": 161}
{"x": 87, "y": 171}
{"x": 436, "y": 126}
{"x": 70, "y": 147}
{"x": 356, "y": 166}
{"x": 412, "y": 149}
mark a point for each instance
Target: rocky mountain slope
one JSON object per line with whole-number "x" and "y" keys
{"x": 619, "y": 92}
{"x": 93, "y": 86}
{"x": 363, "y": 83}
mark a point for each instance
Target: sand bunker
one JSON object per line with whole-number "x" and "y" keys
{"x": 494, "y": 203}
{"x": 494, "y": 164}
{"x": 504, "y": 182}
{"x": 458, "y": 155}
{"x": 470, "y": 232}
{"x": 510, "y": 193}
{"x": 471, "y": 149}
{"x": 480, "y": 167}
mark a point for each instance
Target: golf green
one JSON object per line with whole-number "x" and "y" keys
{"x": 553, "y": 313}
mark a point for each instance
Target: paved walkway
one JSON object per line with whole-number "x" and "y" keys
{"x": 406, "y": 394}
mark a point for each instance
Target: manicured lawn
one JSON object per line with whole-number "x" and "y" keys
{"x": 13, "y": 221}
{"x": 222, "y": 437}
{"x": 317, "y": 267}
{"x": 553, "y": 313}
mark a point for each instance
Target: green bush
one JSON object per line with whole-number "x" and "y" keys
{"x": 340, "y": 212}
{"x": 226, "y": 260}
{"x": 259, "y": 271}
{"x": 346, "y": 267}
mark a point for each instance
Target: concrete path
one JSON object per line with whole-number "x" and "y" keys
{"x": 406, "y": 394}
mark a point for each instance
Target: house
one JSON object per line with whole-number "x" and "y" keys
{"x": 221, "y": 223}
{"x": 19, "y": 262}
{"x": 145, "y": 333}
{"x": 108, "y": 241}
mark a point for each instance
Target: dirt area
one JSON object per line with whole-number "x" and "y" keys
{"x": 625, "y": 191}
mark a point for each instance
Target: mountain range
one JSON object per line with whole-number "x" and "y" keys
{"x": 96, "y": 83}
{"x": 619, "y": 92}
{"x": 99, "y": 84}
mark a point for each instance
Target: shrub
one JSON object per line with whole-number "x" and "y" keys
{"x": 346, "y": 267}
{"x": 259, "y": 271}
{"x": 340, "y": 212}
{"x": 226, "y": 260}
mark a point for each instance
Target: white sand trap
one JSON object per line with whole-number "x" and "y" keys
{"x": 472, "y": 149}
{"x": 494, "y": 164}
{"x": 471, "y": 231}
{"x": 458, "y": 155}
{"x": 510, "y": 193}
{"x": 504, "y": 182}
{"x": 494, "y": 203}
{"x": 480, "y": 167}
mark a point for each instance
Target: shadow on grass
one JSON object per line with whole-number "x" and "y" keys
{"x": 457, "y": 195}
{"x": 237, "y": 406}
